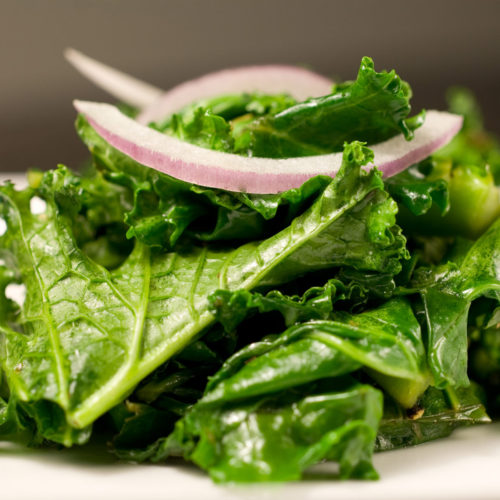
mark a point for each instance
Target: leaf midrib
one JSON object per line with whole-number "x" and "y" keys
{"x": 280, "y": 257}
{"x": 51, "y": 327}
{"x": 101, "y": 398}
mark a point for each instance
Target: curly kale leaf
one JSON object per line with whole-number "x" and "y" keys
{"x": 162, "y": 209}
{"x": 373, "y": 108}
{"x": 229, "y": 107}
{"x": 417, "y": 191}
{"x": 231, "y": 308}
{"x": 205, "y": 129}
{"x": 154, "y": 304}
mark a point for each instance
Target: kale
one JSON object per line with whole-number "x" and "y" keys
{"x": 155, "y": 303}
{"x": 257, "y": 335}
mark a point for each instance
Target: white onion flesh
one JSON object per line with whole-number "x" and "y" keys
{"x": 232, "y": 172}
{"x": 298, "y": 82}
{"x": 125, "y": 88}
{"x": 156, "y": 104}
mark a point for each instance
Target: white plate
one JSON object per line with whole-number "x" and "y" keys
{"x": 465, "y": 466}
{"x": 19, "y": 179}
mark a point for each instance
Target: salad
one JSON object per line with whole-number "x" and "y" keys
{"x": 257, "y": 271}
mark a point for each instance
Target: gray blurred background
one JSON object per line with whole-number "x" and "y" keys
{"x": 432, "y": 44}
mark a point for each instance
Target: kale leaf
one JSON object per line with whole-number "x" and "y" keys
{"x": 447, "y": 293}
{"x": 336, "y": 421}
{"x": 373, "y": 108}
{"x": 436, "y": 416}
{"x": 159, "y": 209}
{"x": 154, "y": 304}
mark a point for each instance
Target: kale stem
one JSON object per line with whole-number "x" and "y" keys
{"x": 452, "y": 397}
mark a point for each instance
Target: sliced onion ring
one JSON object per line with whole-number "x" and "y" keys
{"x": 298, "y": 82}
{"x": 156, "y": 104}
{"x": 124, "y": 87}
{"x": 254, "y": 175}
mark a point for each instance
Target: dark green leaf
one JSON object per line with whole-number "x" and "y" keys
{"x": 417, "y": 192}
{"x": 203, "y": 129}
{"x": 436, "y": 416}
{"x": 484, "y": 353}
{"x": 247, "y": 442}
{"x": 447, "y": 294}
{"x": 372, "y": 109}
{"x": 386, "y": 340}
{"x": 154, "y": 304}
{"x": 231, "y": 308}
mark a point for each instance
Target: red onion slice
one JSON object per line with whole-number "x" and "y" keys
{"x": 156, "y": 104}
{"x": 298, "y": 82}
{"x": 124, "y": 87}
{"x": 254, "y": 175}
